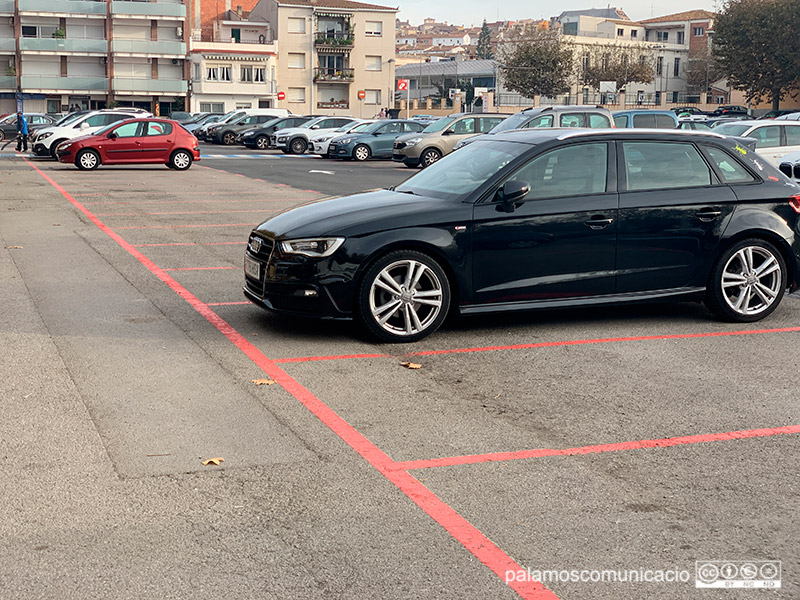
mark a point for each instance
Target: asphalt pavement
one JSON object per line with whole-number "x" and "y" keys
{"x": 625, "y": 439}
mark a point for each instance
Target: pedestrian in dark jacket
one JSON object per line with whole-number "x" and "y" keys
{"x": 22, "y": 133}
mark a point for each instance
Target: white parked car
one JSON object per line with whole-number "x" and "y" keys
{"x": 295, "y": 139}
{"x": 795, "y": 116}
{"x": 790, "y": 166}
{"x": 774, "y": 139}
{"x": 47, "y": 139}
{"x": 319, "y": 142}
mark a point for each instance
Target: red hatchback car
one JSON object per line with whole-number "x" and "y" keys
{"x": 134, "y": 141}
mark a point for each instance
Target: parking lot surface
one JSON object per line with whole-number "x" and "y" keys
{"x": 632, "y": 438}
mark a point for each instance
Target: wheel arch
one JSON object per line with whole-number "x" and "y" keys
{"x": 768, "y": 236}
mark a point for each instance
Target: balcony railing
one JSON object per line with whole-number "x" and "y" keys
{"x": 83, "y": 7}
{"x": 326, "y": 74}
{"x": 63, "y": 45}
{"x": 150, "y": 86}
{"x": 7, "y": 6}
{"x": 8, "y": 82}
{"x": 8, "y": 44}
{"x": 336, "y": 104}
{"x": 148, "y": 9}
{"x": 148, "y": 47}
{"x": 340, "y": 39}
{"x": 54, "y": 82}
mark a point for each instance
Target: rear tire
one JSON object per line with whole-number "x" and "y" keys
{"x": 87, "y": 160}
{"x": 180, "y": 160}
{"x": 747, "y": 282}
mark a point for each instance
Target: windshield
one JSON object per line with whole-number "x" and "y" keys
{"x": 231, "y": 116}
{"x": 731, "y": 129}
{"x": 513, "y": 122}
{"x": 311, "y": 123}
{"x": 461, "y": 173}
{"x": 370, "y": 127}
{"x": 438, "y": 125}
{"x": 67, "y": 119}
{"x": 357, "y": 129}
{"x": 9, "y": 119}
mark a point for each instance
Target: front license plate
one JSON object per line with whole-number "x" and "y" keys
{"x": 252, "y": 268}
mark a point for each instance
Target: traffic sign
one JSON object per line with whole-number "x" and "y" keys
{"x": 402, "y": 84}
{"x": 281, "y": 95}
{"x": 362, "y": 94}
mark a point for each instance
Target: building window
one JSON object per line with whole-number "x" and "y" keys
{"x": 296, "y": 60}
{"x": 634, "y": 33}
{"x": 212, "y": 107}
{"x": 662, "y": 36}
{"x": 586, "y": 62}
{"x": 212, "y": 73}
{"x": 372, "y": 63}
{"x": 297, "y": 25}
{"x": 246, "y": 72}
{"x": 244, "y": 105}
{"x": 676, "y": 70}
{"x": 675, "y": 97}
{"x": 660, "y": 65}
{"x": 225, "y": 73}
{"x": 680, "y": 37}
{"x": 620, "y": 32}
{"x": 259, "y": 74}
{"x": 197, "y": 71}
{"x": 373, "y": 28}
{"x": 297, "y": 94}
{"x": 372, "y": 97}
{"x": 698, "y": 31}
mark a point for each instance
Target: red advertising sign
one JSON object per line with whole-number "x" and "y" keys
{"x": 402, "y": 84}
{"x": 281, "y": 95}
{"x": 362, "y": 94}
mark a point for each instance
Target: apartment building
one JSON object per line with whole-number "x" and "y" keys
{"x": 58, "y": 54}
{"x": 330, "y": 53}
{"x": 233, "y": 63}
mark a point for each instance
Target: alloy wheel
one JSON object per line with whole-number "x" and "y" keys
{"x": 429, "y": 157}
{"x": 228, "y": 139}
{"x": 299, "y": 146}
{"x": 751, "y": 280}
{"x": 262, "y": 142}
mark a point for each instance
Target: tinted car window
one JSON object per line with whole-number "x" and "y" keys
{"x": 341, "y": 122}
{"x": 486, "y": 124}
{"x": 540, "y": 121}
{"x": 464, "y": 126}
{"x": 154, "y": 128}
{"x": 644, "y": 121}
{"x": 572, "y": 171}
{"x": 792, "y": 135}
{"x": 572, "y": 120}
{"x": 114, "y": 118}
{"x": 95, "y": 121}
{"x": 766, "y": 137}
{"x": 598, "y": 121}
{"x": 664, "y": 122}
{"x": 664, "y": 165}
{"x": 392, "y": 128}
{"x": 729, "y": 168}
{"x": 413, "y": 127}
{"x": 128, "y": 130}
{"x": 621, "y": 121}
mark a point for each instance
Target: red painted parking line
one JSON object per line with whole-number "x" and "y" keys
{"x": 320, "y": 358}
{"x": 189, "y": 244}
{"x": 228, "y": 304}
{"x": 237, "y": 200}
{"x": 188, "y": 212}
{"x": 598, "y": 448}
{"x": 186, "y": 226}
{"x": 456, "y": 525}
{"x": 201, "y": 269}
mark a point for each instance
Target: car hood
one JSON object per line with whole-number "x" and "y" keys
{"x": 356, "y": 215}
{"x": 294, "y": 130}
{"x": 82, "y": 138}
{"x": 407, "y": 136}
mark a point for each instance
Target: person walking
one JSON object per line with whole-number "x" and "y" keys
{"x": 22, "y": 133}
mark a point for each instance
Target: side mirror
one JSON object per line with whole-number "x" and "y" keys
{"x": 84, "y": 126}
{"x": 512, "y": 192}
{"x": 112, "y": 136}
{"x": 377, "y": 133}
{"x": 315, "y": 127}
{"x": 448, "y": 132}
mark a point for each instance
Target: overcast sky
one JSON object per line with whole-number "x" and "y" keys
{"x": 472, "y": 12}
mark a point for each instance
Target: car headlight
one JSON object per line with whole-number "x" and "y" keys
{"x": 315, "y": 248}
{"x": 413, "y": 141}
{"x": 44, "y": 136}
{"x": 65, "y": 146}
{"x": 282, "y": 138}
{"x": 345, "y": 141}
{"x": 248, "y": 134}
{"x": 323, "y": 139}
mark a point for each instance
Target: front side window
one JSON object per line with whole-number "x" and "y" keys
{"x": 128, "y": 130}
{"x": 576, "y": 170}
{"x": 766, "y": 137}
{"x": 664, "y": 165}
{"x": 463, "y": 126}
{"x": 391, "y": 128}
{"x": 730, "y": 170}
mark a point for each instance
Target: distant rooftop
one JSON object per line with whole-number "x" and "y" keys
{"x": 340, "y": 4}
{"x": 466, "y": 68}
{"x": 689, "y": 15}
{"x": 603, "y": 13}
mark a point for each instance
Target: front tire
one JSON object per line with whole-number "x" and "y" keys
{"x": 53, "y": 147}
{"x": 87, "y": 160}
{"x": 361, "y": 152}
{"x": 298, "y": 146}
{"x": 430, "y": 156}
{"x": 262, "y": 142}
{"x": 747, "y": 282}
{"x": 180, "y": 160}
{"x": 403, "y": 297}
{"x": 229, "y": 138}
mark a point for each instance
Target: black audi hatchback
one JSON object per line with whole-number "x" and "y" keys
{"x": 540, "y": 219}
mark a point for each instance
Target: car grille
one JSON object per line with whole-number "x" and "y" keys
{"x": 399, "y": 145}
{"x": 261, "y": 247}
{"x": 791, "y": 171}
{"x": 332, "y": 147}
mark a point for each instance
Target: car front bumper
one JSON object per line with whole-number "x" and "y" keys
{"x": 338, "y": 151}
{"x": 406, "y": 154}
{"x": 40, "y": 149}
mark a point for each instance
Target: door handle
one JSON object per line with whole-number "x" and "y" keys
{"x": 598, "y": 222}
{"x": 708, "y": 214}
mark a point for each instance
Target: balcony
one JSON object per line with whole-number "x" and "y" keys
{"x": 337, "y": 39}
{"x": 7, "y": 7}
{"x": 8, "y": 82}
{"x": 335, "y": 104}
{"x": 148, "y": 47}
{"x": 69, "y": 84}
{"x": 8, "y": 44}
{"x": 63, "y": 45}
{"x": 62, "y": 7}
{"x": 132, "y": 8}
{"x": 324, "y": 74}
{"x": 150, "y": 86}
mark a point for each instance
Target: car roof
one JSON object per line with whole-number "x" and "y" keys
{"x": 538, "y": 136}
{"x": 646, "y": 111}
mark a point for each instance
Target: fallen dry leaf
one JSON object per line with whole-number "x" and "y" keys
{"x": 263, "y": 381}
{"x": 213, "y": 461}
{"x": 410, "y": 365}
{"x": 13, "y": 247}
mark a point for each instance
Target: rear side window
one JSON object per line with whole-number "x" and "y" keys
{"x": 487, "y": 123}
{"x": 621, "y": 121}
{"x": 766, "y": 137}
{"x": 664, "y": 165}
{"x": 599, "y": 121}
{"x": 96, "y": 121}
{"x": 730, "y": 170}
{"x": 644, "y": 121}
{"x": 665, "y": 122}
{"x": 576, "y": 170}
{"x": 341, "y": 122}
{"x": 158, "y": 128}
{"x": 536, "y": 122}
{"x": 792, "y": 135}
{"x": 572, "y": 120}
{"x": 413, "y": 127}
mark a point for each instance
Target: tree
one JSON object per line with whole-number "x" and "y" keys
{"x": 702, "y": 71}
{"x": 616, "y": 62}
{"x": 755, "y": 46}
{"x": 485, "y": 42}
{"x": 537, "y": 62}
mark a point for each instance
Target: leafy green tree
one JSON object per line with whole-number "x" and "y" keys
{"x": 537, "y": 62}
{"x": 755, "y": 45}
{"x": 616, "y": 62}
{"x": 484, "y": 49}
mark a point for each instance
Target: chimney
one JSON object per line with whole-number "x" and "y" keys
{"x": 239, "y": 10}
